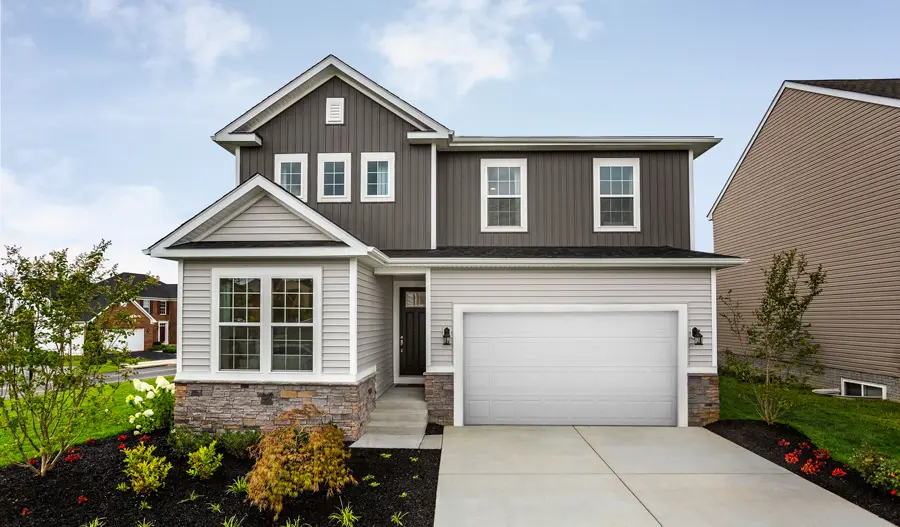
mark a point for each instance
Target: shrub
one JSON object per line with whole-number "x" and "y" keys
{"x": 155, "y": 409}
{"x": 185, "y": 441}
{"x": 204, "y": 462}
{"x": 237, "y": 443}
{"x": 146, "y": 471}
{"x": 886, "y": 475}
{"x": 293, "y": 458}
{"x": 240, "y": 485}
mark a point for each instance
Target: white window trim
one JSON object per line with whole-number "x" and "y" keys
{"x": 303, "y": 159}
{"x": 364, "y": 159}
{"x": 266, "y": 274}
{"x": 321, "y": 159}
{"x": 163, "y": 307}
{"x": 862, "y": 383}
{"x": 633, "y": 162}
{"x": 162, "y": 324}
{"x": 340, "y": 103}
{"x": 522, "y": 164}
{"x": 148, "y": 307}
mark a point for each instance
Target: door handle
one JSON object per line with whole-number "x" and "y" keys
{"x": 401, "y": 343}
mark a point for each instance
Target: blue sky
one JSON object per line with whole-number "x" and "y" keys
{"x": 106, "y": 106}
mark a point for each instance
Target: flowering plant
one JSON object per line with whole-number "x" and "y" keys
{"x": 821, "y": 453}
{"x": 792, "y": 457}
{"x": 838, "y": 473}
{"x": 782, "y": 442}
{"x": 155, "y": 408}
{"x": 82, "y": 499}
{"x": 812, "y": 466}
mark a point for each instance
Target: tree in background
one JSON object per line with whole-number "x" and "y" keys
{"x": 50, "y": 395}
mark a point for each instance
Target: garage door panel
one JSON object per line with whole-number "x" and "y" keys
{"x": 568, "y": 325}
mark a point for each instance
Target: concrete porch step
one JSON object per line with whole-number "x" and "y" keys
{"x": 382, "y": 423}
{"x": 414, "y": 416}
{"x": 385, "y": 403}
{"x": 395, "y": 429}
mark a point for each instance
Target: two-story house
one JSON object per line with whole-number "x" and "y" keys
{"x": 522, "y": 280}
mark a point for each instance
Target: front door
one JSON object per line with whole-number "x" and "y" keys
{"x": 412, "y": 331}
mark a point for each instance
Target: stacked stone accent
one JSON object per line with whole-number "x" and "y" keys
{"x": 703, "y": 399}
{"x": 222, "y": 405}
{"x": 439, "y": 398}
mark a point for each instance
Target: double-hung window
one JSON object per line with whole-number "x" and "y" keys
{"x": 617, "y": 194}
{"x": 163, "y": 307}
{"x": 377, "y": 176}
{"x": 290, "y": 173}
{"x": 146, "y": 305}
{"x": 334, "y": 177}
{"x": 268, "y": 320}
{"x": 504, "y": 195}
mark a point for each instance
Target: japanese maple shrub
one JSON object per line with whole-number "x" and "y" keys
{"x": 204, "y": 461}
{"x": 296, "y": 457}
{"x": 146, "y": 472}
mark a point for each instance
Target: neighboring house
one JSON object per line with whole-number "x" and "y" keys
{"x": 822, "y": 174}
{"x": 522, "y": 280}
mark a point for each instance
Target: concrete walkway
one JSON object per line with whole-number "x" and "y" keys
{"x": 399, "y": 421}
{"x": 624, "y": 476}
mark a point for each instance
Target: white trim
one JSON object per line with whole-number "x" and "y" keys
{"x": 265, "y": 273}
{"x": 863, "y": 383}
{"x": 427, "y": 318}
{"x": 635, "y": 164}
{"x": 713, "y": 302}
{"x": 346, "y": 159}
{"x": 338, "y": 104}
{"x": 237, "y": 166}
{"x": 227, "y": 219}
{"x": 160, "y": 325}
{"x": 691, "y": 194}
{"x": 522, "y": 164}
{"x": 142, "y": 310}
{"x": 161, "y": 304}
{"x": 704, "y": 370}
{"x": 364, "y": 159}
{"x": 417, "y": 137}
{"x": 250, "y": 252}
{"x": 400, "y": 271}
{"x": 440, "y": 369}
{"x": 303, "y": 159}
{"x": 255, "y": 377}
{"x": 398, "y": 379}
{"x": 843, "y": 94}
{"x": 170, "y": 299}
{"x": 179, "y": 341}
{"x": 562, "y": 263}
{"x": 353, "y": 269}
{"x": 433, "y": 196}
{"x": 459, "y": 311}
{"x": 699, "y": 144}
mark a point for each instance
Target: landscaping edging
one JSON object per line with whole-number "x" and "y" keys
{"x": 763, "y": 440}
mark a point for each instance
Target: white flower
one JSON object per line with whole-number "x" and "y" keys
{"x": 146, "y": 387}
{"x": 161, "y": 382}
{"x": 138, "y": 400}
{"x": 136, "y": 432}
{"x": 131, "y": 419}
{"x": 137, "y": 384}
{"x": 151, "y": 395}
{"x": 137, "y": 427}
{"x": 148, "y": 412}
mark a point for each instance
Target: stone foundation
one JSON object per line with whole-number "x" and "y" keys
{"x": 703, "y": 399}
{"x": 223, "y": 405}
{"x": 439, "y": 398}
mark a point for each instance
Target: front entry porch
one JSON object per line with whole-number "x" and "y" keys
{"x": 398, "y": 421}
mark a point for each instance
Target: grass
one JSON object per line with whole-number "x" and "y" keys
{"x": 840, "y": 425}
{"x": 105, "y": 368}
{"x": 117, "y": 422}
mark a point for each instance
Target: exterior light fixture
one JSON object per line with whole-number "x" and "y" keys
{"x": 697, "y": 337}
{"x": 446, "y": 336}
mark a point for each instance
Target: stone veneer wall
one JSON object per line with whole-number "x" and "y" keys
{"x": 439, "y": 398}
{"x": 703, "y": 399}
{"x": 217, "y": 406}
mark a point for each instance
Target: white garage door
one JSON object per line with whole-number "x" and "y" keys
{"x": 135, "y": 340}
{"x": 607, "y": 368}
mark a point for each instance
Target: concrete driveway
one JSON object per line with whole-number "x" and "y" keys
{"x": 599, "y": 476}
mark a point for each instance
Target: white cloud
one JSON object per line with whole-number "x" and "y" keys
{"x": 21, "y": 41}
{"x": 466, "y": 42}
{"x": 40, "y": 218}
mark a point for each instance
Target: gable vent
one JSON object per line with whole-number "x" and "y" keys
{"x": 334, "y": 110}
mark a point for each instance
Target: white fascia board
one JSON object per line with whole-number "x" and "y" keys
{"x": 428, "y": 137}
{"x": 566, "y": 262}
{"x": 142, "y": 310}
{"x": 262, "y": 252}
{"x": 391, "y": 270}
{"x": 698, "y": 144}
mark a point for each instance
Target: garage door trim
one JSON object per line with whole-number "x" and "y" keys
{"x": 459, "y": 311}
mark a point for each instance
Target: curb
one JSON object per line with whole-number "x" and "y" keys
{"x": 153, "y": 364}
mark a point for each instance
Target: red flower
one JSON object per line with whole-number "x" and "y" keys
{"x": 90, "y": 441}
{"x": 122, "y": 446}
{"x": 812, "y": 466}
{"x": 821, "y": 453}
{"x": 26, "y": 511}
{"x": 82, "y": 499}
{"x": 792, "y": 457}
{"x": 144, "y": 437}
{"x": 782, "y": 442}
{"x": 123, "y": 437}
{"x": 838, "y": 473}
{"x": 33, "y": 461}
{"x": 72, "y": 458}
{"x": 894, "y": 492}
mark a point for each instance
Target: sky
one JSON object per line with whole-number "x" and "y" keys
{"x": 107, "y": 106}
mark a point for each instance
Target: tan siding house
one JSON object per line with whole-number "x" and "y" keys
{"x": 822, "y": 174}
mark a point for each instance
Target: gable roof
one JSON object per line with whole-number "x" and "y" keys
{"x": 862, "y": 90}
{"x": 159, "y": 290}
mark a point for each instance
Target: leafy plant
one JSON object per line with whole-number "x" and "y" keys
{"x": 184, "y": 441}
{"x": 368, "y": 477}
{"x": 122, "y": 487}
{"x": 204, "y": 462}
{"x": 144, "y": 523}
{"x": 295, "y": 457}
{"x": 886, "y": 475}
{"x": 215, "y": 507}
{"x": 386, "y": 455}
{"x": 344, "y": 515}
{"x": 237, "y": 443}
{"x": 144, "y": 506}
{"x": 415, "y": 476}
{"x": 146, "y": 471}
{"x": 50, "y": 395}
{"x": 296, "y": 523}
{"x": 232, "y": 521}
{"x": 193, "y": 496}
{"x": 96, "y": 522}
{"x": 155, "y": 408}
{"x": 374, "y": 484}
{"x": 404, "y": 494}
{"x": 414, "y": 459}
{"x": 397, "y": 518}
{"x": 241, "y": 485}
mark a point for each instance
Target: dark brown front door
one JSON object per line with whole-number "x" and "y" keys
{"x": 412, "y": 331}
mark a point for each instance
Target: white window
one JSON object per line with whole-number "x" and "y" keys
{"x": 334, "y": 110}
{"x": 267, "y": 320}
{"x": 334, "y": 177}
{"x": 376, "y": 176}
{"x": 617, "y": 194}
{"x": 850, "y": 388}
{"x": 163, "y": 307}
{"x": 290, "y": 173}
{"x": 146, "y": 305}
{"x": 504, "y": 195}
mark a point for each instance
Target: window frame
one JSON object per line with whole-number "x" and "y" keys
{"x": 364, "y": 159}
{"x": 163, "y": 308}
{"x": 522, "y": 165}
{"x": 162, "y": 324}
{"x": 148, "y": 307}
{"x": 863, "y": 385}
{"x": 303, "y": 159}
{"x": 635, "y": 164}
{"x": 341, "y": 157}
{"x": 265, "y": 275}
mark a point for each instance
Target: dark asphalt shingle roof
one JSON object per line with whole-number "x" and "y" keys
{"x": 880, "y": 87}
{"x": 256, "y": 244}
{"x": 552, "y": 252}
{"x": 160, "y": 290}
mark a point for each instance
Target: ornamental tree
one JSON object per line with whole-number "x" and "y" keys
{"x": 47, "y": 305}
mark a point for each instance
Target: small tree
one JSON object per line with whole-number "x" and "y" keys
{"x": 44, "y": 302}
{"x": 777, "y": 344}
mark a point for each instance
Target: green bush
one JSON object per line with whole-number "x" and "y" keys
{"x": 237, "y": 443}
{"x": 886, "y": 474}
{"x": 185, "y": 441}
{"x": 204, "y": 462}
{"x": 146, "y": 471}
{"x": 155, "y": 406}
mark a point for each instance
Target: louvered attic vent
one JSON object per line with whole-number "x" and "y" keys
{"x": 334, "y": 110}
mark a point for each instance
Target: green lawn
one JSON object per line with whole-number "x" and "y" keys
{"x": 107, "y": 367}
{"x": 116, "y": 424}
{"x": 840, "y": 425}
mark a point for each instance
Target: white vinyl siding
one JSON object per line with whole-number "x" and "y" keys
{"x": 196, "y": 327}
{"x": 267, "y": 220}
{"x": 374, "y": 328}
{"x": 571, "y": 286}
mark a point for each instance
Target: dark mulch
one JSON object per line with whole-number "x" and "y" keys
{"x": 152, "y": 355}
{"x": 434, "y": 430}
{"x": 54, "y": 500}
{"x": 762, "y": 439}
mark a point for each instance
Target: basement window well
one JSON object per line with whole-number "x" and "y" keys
{"x": 850, "y": 388}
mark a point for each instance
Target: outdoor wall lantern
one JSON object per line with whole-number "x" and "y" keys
{"x": 446, "y": 336}
{"x": 697, "y": 337}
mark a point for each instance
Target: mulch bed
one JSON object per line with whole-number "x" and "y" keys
{"x": 54, "y": 499}
{"x": 763, "y": 440}
{"x": 434, "y": 430}
{"x": 152, "y": 355}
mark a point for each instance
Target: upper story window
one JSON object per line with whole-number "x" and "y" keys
{"x": 504, "y": 195}
{"x": 290, "y": 173}
{"x": 146, "y": 305}
{"x": 617, "y": 194}
{"x": 163, "y": 307}
{"x": 334, "y": 177}
{"x": 334, "y": 110}
{"x": 377, "y": 178}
